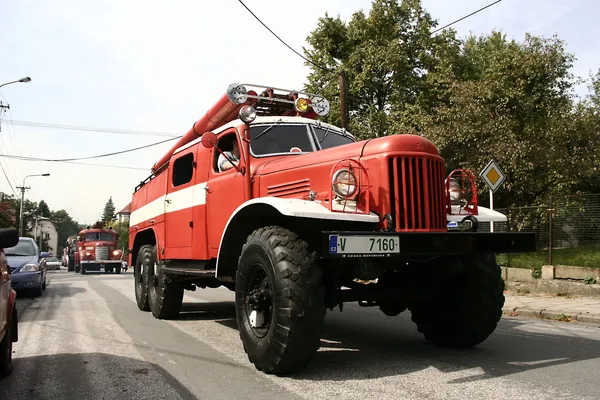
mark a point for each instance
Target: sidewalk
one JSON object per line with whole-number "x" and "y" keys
{"x": 558, "y": 308}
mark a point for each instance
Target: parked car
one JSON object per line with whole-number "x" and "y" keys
{"x": 51, "y": 262}
{"x": 8, "y": 311}
{"x": 28, "y": 272}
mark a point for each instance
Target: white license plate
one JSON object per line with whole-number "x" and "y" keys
{"x": 374, "y": 244}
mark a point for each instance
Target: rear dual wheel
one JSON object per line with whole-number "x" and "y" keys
{"x": 153, "y": 289}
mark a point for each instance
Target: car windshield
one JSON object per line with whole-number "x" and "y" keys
{"x": 23, "y": 248}
{"x": 104, "y": 236}
{"x": 328, "y": 138}
{"x": 52, "y": 259}
{"x": 279, "y": 139}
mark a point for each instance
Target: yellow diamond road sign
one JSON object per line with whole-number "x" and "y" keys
{"x": 492, "y": 175}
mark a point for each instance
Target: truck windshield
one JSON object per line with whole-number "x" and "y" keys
{"x": 104, "y": 236}
{"x": 328, "y": 138}
{"x": 23, "y": 248}
{"x": 279, "y": 139}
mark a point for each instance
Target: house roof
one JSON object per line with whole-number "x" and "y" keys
{"x": 126, "y": 210}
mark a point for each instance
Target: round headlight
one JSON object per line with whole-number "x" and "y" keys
{"x": 87, "y": 253}
{"x": 247, "y": 114}
{"x": 115, "y": 253}
{"x": 344, "y": 183}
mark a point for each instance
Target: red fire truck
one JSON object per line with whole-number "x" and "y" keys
{"x": 306, "y": 218}
{"x": 97, "y": 249}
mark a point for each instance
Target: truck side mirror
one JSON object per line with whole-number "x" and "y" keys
{"x": 209, "y": 139}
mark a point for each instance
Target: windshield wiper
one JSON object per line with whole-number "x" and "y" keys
{"x": 268, "y": 129}
{"x": 17, "y": 254}
{"x": 324, "y": 135}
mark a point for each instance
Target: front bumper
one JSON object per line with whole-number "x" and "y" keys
{"x": 402, "y": 244}
{"x": 97, "y": 265}
{"x": 26, "y": 280}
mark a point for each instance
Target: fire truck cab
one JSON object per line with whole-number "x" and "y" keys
{"x": 306, "y": 218}
{"x": 97, "y": 250}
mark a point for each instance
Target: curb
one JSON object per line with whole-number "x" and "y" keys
{"x": 553, "y": 315}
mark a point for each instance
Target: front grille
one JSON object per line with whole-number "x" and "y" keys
{"x": 417, "y": 194}
{"x": 101, "y": 253}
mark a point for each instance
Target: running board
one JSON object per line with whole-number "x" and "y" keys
{"x": 192, "y": 272}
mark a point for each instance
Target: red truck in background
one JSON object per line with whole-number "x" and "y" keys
{"x": 306, "y": 218}
{"x": 97, "y": 249}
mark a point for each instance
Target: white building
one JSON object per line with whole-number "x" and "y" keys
{"x": 45, "y": 228}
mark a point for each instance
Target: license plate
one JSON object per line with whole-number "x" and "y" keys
{"x": 340, "y": 244}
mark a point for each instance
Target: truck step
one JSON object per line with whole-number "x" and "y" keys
{"x": 200, "y": 273}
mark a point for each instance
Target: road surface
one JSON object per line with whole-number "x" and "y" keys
{"x": 86, "y": 339}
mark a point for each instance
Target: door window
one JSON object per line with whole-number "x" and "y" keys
{"x": 183, "y": 170}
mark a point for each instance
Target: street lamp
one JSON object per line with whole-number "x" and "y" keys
{"x": 23, "y": 199}
{"x": 22, "y": 80}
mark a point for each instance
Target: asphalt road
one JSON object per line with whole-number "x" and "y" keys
{"x": 86, "y": 339}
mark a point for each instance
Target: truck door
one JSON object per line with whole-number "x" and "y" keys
{"x": 225, "y": 190}
{"x": 178, "y": 203}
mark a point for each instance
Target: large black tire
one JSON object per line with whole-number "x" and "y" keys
{"x": 296, "y": 306}
{"x": 6, "y": 365}
{"x": 118, "y": 269}
{"x": 165, "y": 298}
{"x": 144, "y": 261}
{"x": 466, "y": 308}
{"x": 71, "y": 264}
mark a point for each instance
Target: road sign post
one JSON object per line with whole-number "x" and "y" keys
{"x": 493, "y": 176}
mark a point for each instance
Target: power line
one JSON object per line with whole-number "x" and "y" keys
{"x": 90, "y": 164}
{"x": 8, "y": 180}
{"x": 281, "y": 40}
{"x": 90, "y": 129}
{"x": 466, "y": 16}
{"x": 25, "y": 158}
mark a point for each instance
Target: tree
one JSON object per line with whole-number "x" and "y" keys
{"x": 43, "y": 210}
{"x": 386, "y": 57}
{"x": 8, "y": 213}
{"x": 510, "y": 102}
{"x": 479, "y": 98}
{"x": 109, "y": 211}
{"x": 64, "y": 224}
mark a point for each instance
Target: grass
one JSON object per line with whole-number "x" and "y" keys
{"x": 577, "y": 257}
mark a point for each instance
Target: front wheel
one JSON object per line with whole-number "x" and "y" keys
{"x": 280, "y": 300}
{"x": 466, "y": 308}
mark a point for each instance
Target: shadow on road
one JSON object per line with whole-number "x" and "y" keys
{"x": 365, "y": 344}
{"x": 89, "y": 376}
{"x": 42, "y": 308}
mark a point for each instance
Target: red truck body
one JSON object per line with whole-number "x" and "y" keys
{"x": 317, "y": 212}
{"x": 97, "y": 249}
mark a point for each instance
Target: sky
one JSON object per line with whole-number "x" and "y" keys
{"x": 157, "y": 66}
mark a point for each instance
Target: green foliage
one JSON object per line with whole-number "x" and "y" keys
{"x": 109, "y": 211}
{"x": 43, "y": 210}
{"x": 478, "y": 98}
{"x": 64, "y": 224}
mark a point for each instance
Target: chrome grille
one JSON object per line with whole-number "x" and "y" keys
{"x": 101, "y": 253}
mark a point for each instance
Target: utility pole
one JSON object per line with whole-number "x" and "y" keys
{"x": 23, "y": 188}
{"x": 3, "y": 108}
{"x": 344, "y": 100}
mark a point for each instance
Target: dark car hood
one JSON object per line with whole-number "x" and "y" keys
{"x": 16, "y": 262}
